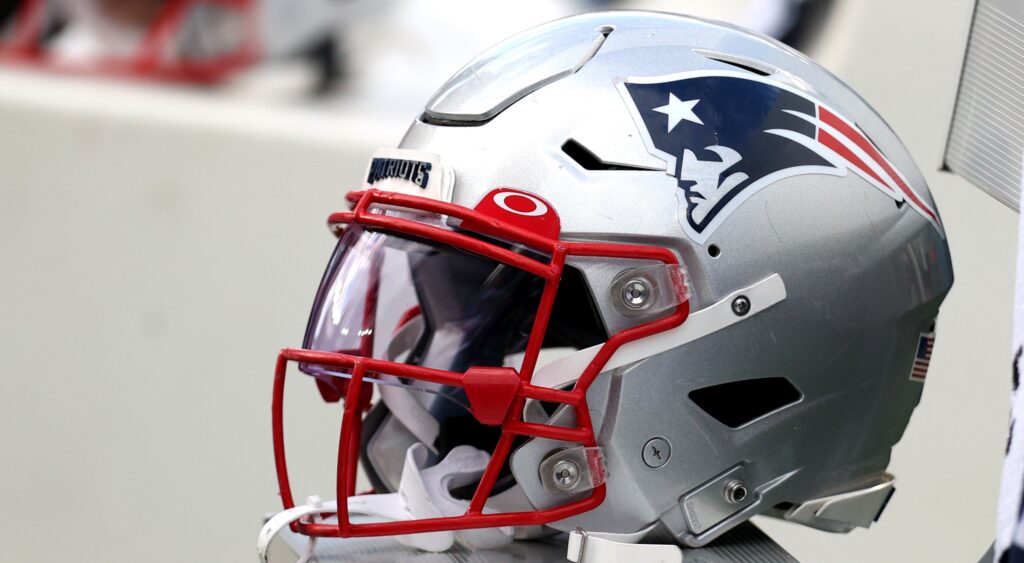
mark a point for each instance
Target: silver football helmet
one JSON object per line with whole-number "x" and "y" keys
{"x": 635, "y": 273}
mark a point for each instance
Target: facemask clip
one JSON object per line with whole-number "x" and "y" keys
{"x": 573, "y": 470}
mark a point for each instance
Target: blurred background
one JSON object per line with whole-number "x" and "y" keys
{"x": 168, "y": 169}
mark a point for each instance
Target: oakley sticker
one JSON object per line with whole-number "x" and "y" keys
{"x": 726, "y": 135}
{"x": 521, "y": 209}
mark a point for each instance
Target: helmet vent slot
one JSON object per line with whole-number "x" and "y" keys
{"x": 738, "y": 402}
{"x": 731, "y": 60}
{"x": 589, "y": 161}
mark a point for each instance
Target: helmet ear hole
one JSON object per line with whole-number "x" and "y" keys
{"x": 714, "y": 251}
{"x": 738, "y": 402}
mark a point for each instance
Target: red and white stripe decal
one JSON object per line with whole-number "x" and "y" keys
{"x": 891, "y": 179}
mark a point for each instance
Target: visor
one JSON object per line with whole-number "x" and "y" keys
{"x": 417, "y": 302}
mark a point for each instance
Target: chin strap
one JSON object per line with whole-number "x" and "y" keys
{"x": 313, "y": 507}
{"x": 424, "y": 492}
{"x": 596, "y": 547}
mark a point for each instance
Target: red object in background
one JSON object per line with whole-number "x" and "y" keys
{"x": 153, "y": 59}
{"x": 506, "y": 407}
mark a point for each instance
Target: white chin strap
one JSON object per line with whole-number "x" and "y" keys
{"x": 594, "y": 547}
{"x": 424, "y": 492}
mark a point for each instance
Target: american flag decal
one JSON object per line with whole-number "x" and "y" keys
{"x": 922, "y": 357}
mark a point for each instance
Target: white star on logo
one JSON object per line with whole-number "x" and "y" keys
{"x": 677, "y": 111}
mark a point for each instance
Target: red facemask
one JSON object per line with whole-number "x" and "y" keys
{"x": 494, "y": 272}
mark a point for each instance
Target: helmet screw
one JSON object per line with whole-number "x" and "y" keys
{"x": 741, "y": 305}
{"x": 656, "y": 452}
{"x": 636, "y": 293}
{"x": 565, "y": 474}
{"x": 735, "y": 491}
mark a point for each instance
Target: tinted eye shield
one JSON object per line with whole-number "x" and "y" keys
{"x": 496, "y": 395}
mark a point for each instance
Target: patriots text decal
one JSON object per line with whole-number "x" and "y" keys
{"x": 725, "y": 135}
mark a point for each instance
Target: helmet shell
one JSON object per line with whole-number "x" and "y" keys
{"x": 864, "y": 273}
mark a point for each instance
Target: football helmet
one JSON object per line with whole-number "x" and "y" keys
{"x": 188, "y": 40}
{"x": 633, "y": 273}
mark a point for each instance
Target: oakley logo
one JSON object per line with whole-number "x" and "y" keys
{"x": 528, "y": 206}
{"x": 413, "y": 171}
{"x": 519, "y": 209}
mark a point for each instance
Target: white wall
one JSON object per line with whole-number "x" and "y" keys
{"x": 151, "y": 265}
{"x": 157, "y": 248}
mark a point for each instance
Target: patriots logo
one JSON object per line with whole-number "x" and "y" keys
{"x": 726, "y": 135}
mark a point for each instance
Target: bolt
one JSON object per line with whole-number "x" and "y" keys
{"x": 636, "y": 293}
{"x": 656, "y": 452}
{"x": 735, "y": 491}
{"x": 741, "y": 305}
{"x": 566, "y": 474}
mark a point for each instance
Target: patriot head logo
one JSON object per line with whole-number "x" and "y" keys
{"x": 725, "y": 135}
